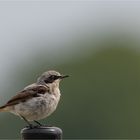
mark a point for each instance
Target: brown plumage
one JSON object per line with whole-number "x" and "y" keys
{"x": 26, "y": 94}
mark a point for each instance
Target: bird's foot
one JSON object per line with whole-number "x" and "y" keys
{"x": 30, "y": 126}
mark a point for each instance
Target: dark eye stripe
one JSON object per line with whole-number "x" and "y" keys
{"x": 51, "y": 79}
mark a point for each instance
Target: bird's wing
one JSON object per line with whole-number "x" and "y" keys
{"x": 27, "y": 93}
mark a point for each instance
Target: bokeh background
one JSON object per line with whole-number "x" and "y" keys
{"x": 96, "y": 42}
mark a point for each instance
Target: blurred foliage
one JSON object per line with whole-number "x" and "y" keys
{"x": 100, "y": 99}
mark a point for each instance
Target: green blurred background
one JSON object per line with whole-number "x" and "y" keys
{"x": 101, "y": 98}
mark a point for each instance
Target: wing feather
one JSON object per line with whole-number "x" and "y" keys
{"x": 27, "y": 93}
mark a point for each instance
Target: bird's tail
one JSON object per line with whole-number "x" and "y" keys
{"x": 3, "y": 108}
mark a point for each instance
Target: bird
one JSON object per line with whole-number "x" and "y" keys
{"x": 38, "y": 100}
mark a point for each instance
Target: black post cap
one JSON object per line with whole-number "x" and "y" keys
{"x": 41, "y": 132}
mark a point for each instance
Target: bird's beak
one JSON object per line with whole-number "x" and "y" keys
{"x": 64, "y": 76}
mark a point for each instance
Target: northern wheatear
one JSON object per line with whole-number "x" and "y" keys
{"x": 38, "y": 100}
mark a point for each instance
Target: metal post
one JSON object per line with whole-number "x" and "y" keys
{"x": 41, "y": 132}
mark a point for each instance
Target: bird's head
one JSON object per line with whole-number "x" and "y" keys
{"x": 51, "y": 77}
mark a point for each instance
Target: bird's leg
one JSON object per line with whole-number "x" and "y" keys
{"x": 38, "y": 123}
{"x": 30, "y": 125}
{"x": 41, "y": 124}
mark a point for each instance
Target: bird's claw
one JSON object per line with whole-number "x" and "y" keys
{"x": 31, "y": 126}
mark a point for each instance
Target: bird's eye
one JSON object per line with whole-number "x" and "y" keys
{"x": 52, "y": 77}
